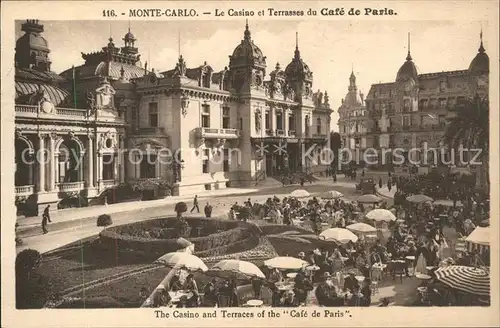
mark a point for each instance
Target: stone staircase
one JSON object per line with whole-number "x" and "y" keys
{"x": 268, "y": 182}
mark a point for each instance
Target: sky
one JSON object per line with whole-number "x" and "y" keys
{"x": 373, "y": 49}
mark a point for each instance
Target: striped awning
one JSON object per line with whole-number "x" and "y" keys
{"x": 464, "y": 278}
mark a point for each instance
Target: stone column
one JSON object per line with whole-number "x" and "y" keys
{"x": 121, "y": 155}
{"x": 90, "y": 163}
{"x": 273, "y": 118}
{"x": 41, "y": 163}
{"x": 52, "y": 163}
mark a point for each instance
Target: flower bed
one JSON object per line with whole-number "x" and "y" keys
{"x": 156, "y": 237}
{"x": 274, "y": 229}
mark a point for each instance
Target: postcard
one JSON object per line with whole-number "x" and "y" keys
{"x": 249, "y": 163}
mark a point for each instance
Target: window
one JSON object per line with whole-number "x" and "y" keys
{"x": 442, "y": 103}
{"x": 148, "y": 166}
{"x": 225, "y": 163}
{"x": 108, "y": 167}
{"x": 442, "y": 120}
{"x": 406, "y": 105}
{"x": 279, "y": 121}
{"x": 318, "y": 125}
{"x": 268, "y": 120}
{"x": 206, "y": 80}
{"x": 226, "y": 117}
{"x": 133, "y": 115}
{"x": 423, "y": 103}
{"x": 206, "y": 156}
{"x": 356, "y": 128}
{"x": 205, "y": 116}
{"x": 153, "y": 114}
{"x": 291, "y": 122}
{"x": 406, "y": 120}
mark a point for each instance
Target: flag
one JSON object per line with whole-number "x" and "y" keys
{"x": 74, "y": 86}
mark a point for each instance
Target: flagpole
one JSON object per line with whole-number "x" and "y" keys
{"x": 74, "y": 86}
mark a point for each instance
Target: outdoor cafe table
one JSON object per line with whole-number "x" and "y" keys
{"x": 423, "y": 277}
{"x": 282, "y": 287}
{"x": 254, "y": 303}
{"x": 177, "y": 295}
{"x": 291, "y": 275}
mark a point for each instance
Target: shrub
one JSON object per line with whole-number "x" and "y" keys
{"x": 180, "y": 208}
{"x": 156, "y": 237}
{"x": 27, "y": 261}
{"x": 104, "y": 220}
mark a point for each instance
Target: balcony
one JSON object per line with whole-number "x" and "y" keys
{"x": 104, "y": 184}
{"x": 24, "y": 190}
{"x": 71, "y": 186}
{"x": 151, "y": 131}
{"x": 280, "y": 132}
{"x": 376, "y": 113}
{"x": 390, "y": 112}
{"x": 406, "y": 127}
{"x": 213, "y": 133}
{"x": 269, "y": 132}
{"x": 291, "y": 133}
{"x": 70, "y": 114}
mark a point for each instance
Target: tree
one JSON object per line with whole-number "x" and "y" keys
{"x": 469, "y": 128}
{"x": 31, "y": 289}
{"x": 335, "y": 146}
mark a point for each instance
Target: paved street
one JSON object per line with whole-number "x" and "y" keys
{"x": 69, "y": 228}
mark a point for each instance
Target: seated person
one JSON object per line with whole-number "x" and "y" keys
{"x": 289, "y": 299}
{"x": 351, "y": 283}
{"x": 366, "y": 293}
{"x": 302, "y": 287}
{"x": 326, "y": 293}
{"x": 175, "y": 283}
{"x": 210, "y": 294}
{"x": 191, "y": 286}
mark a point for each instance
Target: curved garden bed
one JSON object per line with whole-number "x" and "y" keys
{"x": 153, "y": 238}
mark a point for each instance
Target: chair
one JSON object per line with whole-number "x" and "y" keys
{"x": 374, "y": 287}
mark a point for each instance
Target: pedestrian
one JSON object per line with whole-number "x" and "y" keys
{"x": 363, "y": 173}
{"x": 389, "y": 184}
{"x": 334, "y": 177}
{"x": 195, "y": 204}
{"x": 45, "y": 219}
{"x": 380, "y": 182}
{"x": 208, "y": 210}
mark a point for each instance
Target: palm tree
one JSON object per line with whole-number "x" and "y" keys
{"x": 469, "y": 128}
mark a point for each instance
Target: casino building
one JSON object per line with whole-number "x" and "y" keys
{"x": 112, "y": 121}
{"x": 411, "y": 111}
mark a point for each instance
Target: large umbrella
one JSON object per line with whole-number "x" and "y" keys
{"x": 369, "y": 199}
{"x": 478, "y": 240}
{"x": 300, "y": 193}
{"x": 447, "y": 203}
{"x": 361, "y": 227}
{"x": 285, "y": 263}
{"x": 182, "y": 260}
{"x": 417, "y": 199}
{"x": 339, "y": 235}
{"x": 236, "y": 269}
{"x": 380, "y": 214}
{"x": 332, "y": 194}
{"x": 468, "y": 279}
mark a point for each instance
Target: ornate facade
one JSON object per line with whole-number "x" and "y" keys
{"x": 353, "y": 120}
{"x": 197, "y": 128}
{"x": 413, "y": 110}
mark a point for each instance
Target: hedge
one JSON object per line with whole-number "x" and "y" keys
{"x": 156, "y": 237}
{"x": 275, "y": 229}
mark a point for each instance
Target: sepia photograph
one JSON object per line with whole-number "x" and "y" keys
{"x": 245, "y": 164}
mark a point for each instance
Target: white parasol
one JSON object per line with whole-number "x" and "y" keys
{"x": 369, "y": 199}
{"x": 236, "y": 269}
{"x": 361, "y": 227}
{"x": 339, "y": 235}
{"x": 418, "y": 199}
{"x": 381, "y": 214}
{"x": 285, "y": 263}
{"x": 332, "y": 194}
{"x": 182, "y": 260}
{"x": 300, "y": 193}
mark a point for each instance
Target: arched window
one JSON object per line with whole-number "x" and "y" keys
{"x": 318, "y": 125}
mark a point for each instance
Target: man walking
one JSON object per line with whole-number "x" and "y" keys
{"x": 45, "y": 219}
{"x": 208, "y": 210}
{"x": 195, "y": 204}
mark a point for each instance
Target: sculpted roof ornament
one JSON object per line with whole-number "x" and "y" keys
{"x": 247, "y": 52}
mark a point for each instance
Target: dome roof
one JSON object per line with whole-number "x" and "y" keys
{"x": 352, "y": 99}
{"x": 33, "y": 41}
{"x": 481, "y": 63}
{"x": 408, "y": 69}
{"x": 297, "y": 67}
{"x": 129, "y": 36}
{"x": 247, "y": 51}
